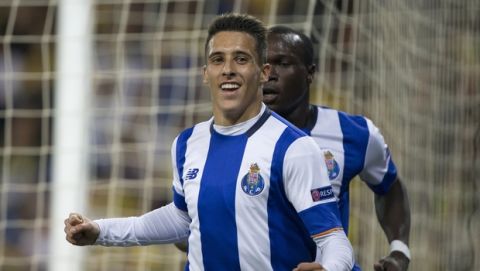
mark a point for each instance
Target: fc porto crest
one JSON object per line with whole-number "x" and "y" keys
{"x": 253, "y": 183}
{"x": 332, "y": 165}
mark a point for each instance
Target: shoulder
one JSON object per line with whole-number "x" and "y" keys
{"x": 199, "y": 129}
{"x": 287, "y": 128}
{"x": 348, "y": 122}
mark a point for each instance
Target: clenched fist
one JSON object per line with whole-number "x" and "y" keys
{"x": 81, "y": 231}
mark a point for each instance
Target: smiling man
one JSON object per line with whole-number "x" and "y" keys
{"x": 248, "y": 191}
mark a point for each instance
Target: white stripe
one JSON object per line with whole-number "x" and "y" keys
{"x": 200, "y": 138}
{"x": 251, "y": 212}
{"x": 327, "y": 133}
{"x": 376, "y": 160}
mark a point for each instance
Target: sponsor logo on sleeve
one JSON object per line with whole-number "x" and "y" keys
{"x": 322, "y": 193}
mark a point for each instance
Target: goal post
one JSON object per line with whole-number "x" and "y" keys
{"x": 71, "y": 128}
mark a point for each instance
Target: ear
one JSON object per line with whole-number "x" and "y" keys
{"x": 205, "y": 77}
{"x": 311, "y": 73}
{"x": 265, "y": 73}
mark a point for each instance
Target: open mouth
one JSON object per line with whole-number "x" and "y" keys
{"x": 230, "y": 86}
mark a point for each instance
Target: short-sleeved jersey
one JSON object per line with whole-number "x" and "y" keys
{"x": 252, "y": 207}
{"x": 351, "y": 145}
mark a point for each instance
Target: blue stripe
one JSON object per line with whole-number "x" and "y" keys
{"x": 179, "y": 201}
{"x": 181, "y": 150}
{"x": 290, "y": 242}
{"x": 388, "y": 180}
{"x": 321, "y": 217}
{"x": 355, "y": 142}
{"x": 216, "y": 202}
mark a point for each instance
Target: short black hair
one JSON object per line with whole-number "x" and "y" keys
{"x": 306, "y": 41}
{"x": 241, "y": 23}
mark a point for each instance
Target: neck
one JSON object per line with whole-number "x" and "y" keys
{"x": 301, "y": 115}
{"x": 232, "y": 117}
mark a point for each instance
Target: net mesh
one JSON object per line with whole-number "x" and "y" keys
{"x": 413, "y": 67}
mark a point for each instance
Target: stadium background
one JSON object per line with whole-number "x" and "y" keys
{"x": 411, "y": 66}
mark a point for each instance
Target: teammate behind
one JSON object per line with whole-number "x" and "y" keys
{"x": 351, "y": 145}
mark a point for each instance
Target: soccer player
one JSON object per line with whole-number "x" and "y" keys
{"x": 351, "y": 145}
{"x": 248, "y": 189}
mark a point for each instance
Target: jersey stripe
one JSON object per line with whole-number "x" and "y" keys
{"x": 355, "y": 141}
{"x": 181, "y": 150}
{"x": 387, "y": 180}
{"x": 281, "y": 241}
{"x": 317, "y": 221}
{"x": 216, "y": 203}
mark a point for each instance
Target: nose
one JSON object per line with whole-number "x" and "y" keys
{"x": 228, "y": 69}
{"x": 273, "y": 76}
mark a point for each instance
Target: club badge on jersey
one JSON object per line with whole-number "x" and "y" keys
{"x": 332, "y": 165}
{"x": 252, "y": 182}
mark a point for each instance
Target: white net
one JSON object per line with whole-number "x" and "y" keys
{"x": 411, "y": 66}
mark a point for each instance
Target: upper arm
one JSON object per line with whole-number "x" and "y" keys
{"x": 303, "y": 173}
{"x": 379, "y": 171}
{"x": 308, "y": 188}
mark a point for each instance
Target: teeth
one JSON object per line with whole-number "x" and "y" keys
{"x": 230, "y": 86}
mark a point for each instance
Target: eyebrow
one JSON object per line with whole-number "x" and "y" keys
{"x": 235, "y": 53}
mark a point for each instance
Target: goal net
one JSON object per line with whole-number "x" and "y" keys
{"x": 411, "y": 66}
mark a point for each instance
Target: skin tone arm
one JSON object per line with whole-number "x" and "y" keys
{"x": 393, "y": 213}
{"x": 80, "y": 230}
{"x": 309, "y": 267}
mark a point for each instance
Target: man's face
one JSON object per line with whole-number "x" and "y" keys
{"x": 234, "y": 75}
{"x": 289, "y": 79}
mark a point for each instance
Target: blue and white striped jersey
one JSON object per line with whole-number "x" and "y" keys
{"x": 256, "y": 199}
{"x": 351, "y": 145}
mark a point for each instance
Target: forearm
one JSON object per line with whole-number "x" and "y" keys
{"x": 334, "y": 252}
{"x": 393, "y": 212}
{"x": 164, "y": 225}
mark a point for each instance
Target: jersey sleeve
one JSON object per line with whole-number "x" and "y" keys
{"x": 167, "y": 224}
{"x": 379, "y": 171}
{"x": 308, "y": 188}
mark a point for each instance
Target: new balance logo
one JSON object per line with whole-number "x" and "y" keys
{"x": 191, "y": 174}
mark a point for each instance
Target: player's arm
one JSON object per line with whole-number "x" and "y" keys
{"x": 164, "y": 225}
{"x": 309, "y": 190}
{"x": 391, "y": 201}
{"x": 393, "y": 213}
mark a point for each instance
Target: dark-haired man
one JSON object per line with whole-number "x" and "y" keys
{"x": 248, "y": 191}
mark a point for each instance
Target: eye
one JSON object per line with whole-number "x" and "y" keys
{"x": 241, "y": 59}
{"x": 216, "y": 59}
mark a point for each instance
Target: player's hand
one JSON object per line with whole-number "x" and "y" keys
{"x": 309, "y": 267}
{"x": 80, "y": 231}
{"x": 396, "y": 261}
{"x": 182, "y": 246}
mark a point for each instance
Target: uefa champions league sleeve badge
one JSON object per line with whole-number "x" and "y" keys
{"x": 253, "y": 183}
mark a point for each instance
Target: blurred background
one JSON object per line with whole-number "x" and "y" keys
{"x": 134, "y": 82}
